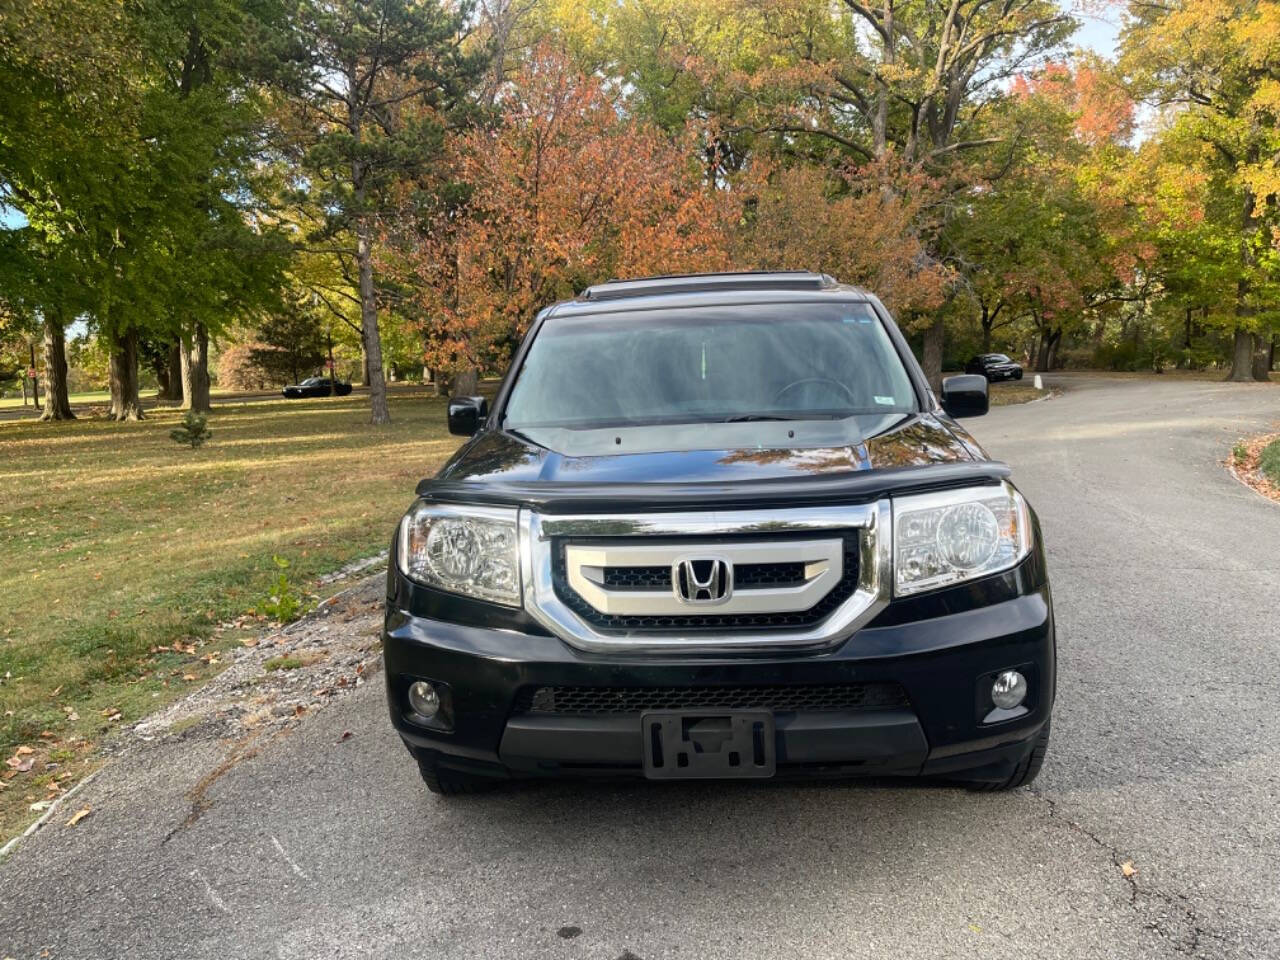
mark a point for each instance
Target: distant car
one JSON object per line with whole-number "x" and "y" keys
{"x": 995, "y": 366}
{"x": 316, "y": 387}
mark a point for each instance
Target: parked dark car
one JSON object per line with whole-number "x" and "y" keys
{"x": 719, "y": 526}
{"x": 317, "y": 387}
{"x": 995, "y": 367}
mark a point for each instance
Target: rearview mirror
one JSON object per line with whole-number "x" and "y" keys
{"x": 466, "y": 414}
{"x": 965, "y": 395}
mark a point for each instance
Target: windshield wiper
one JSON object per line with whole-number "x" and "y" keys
{"x": 747, "y": 417}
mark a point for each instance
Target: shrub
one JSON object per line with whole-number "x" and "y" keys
{"x": 193, "y": 430}
{"x": 283, "y": 603}
{"x": 1269, "y": 461}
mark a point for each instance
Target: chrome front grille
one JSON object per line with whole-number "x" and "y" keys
{"x": 808, "y": 591}
{"x": 746, "y": 576}
{"x": 804, "y": 577}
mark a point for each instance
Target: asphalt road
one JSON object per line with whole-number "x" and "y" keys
{"x": 1166, "y": 755}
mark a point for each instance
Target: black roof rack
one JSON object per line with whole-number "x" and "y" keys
{"x": 708, "y": 282}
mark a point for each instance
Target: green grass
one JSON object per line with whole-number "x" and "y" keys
{"x": 120, "y": 548}
{"x": 1269, "y": 461}
{"x": 92, "y": 396}
{"x": 1015, "y": 391}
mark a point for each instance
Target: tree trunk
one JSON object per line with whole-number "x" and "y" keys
{"x": 57, "y": 406}
{"x": 1242, "y": 357}
{"x": 931, "y": 359}
{"x": 195, "y": 371}
{"x": 169, "y": 375}
{"x": 1055, "y": 338}
{"x": 123, "y": 376}
{"x": 1271, "y": 354}
{"x": 369, "y": 327}
{"x": 1242, "y": 354}
{"x": 1042, "y": 353}
{"x": 987, "y": 321}
{"x": 1261, "y": 360}
{"x": 466, "y": 383}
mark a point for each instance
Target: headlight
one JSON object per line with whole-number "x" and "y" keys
{"x": 944, "y": 538}
{"x": 468, "y": 550}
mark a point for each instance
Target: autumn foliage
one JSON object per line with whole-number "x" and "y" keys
{"x": 566, "y": 191}
{"x": 865, "y": 224}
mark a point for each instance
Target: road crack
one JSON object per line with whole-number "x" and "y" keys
{"x": 1187, "y": 932}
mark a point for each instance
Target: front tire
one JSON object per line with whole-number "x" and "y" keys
{"x": 1028, "y": 768}
{"x": 446, "y": 782}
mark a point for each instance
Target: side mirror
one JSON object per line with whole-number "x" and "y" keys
{"x": 466, "y": 414}
{"x": 965, "y": 395}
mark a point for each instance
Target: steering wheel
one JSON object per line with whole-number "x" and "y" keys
{"x": 853, "y": 401}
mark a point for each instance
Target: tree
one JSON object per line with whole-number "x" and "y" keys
{"x": 861, "y": 80}
{"x": 133, "y": 159}
{"x": 863, "y": 223}
{"x": 1050, "y": 242}
{"x": 376, "y": 86}
{"x": 568, "y": 190}
{"x": 1215, "y": 63}
{"x": 289, "y": 342}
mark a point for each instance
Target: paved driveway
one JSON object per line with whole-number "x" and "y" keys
{"x": 1166, "y": 750}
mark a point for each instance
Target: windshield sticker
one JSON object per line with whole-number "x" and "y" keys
{"x": 885, "y": 401}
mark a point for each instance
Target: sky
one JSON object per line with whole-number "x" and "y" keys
{"x": 1099, "y": 28}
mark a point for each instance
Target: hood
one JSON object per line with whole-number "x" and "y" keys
{"x": 719, "y": 453}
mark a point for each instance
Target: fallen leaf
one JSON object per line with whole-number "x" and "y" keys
{"x": 40, "y": 806}
{"x": 1128, "y": 869}
{"x": 78, "y": 816}
{"x": 346, "y": 735}
{"x": 22, "y": 766}
{"x": 114, "y": 717}
{"x": 24, "y": 751}
{"x": 188, "y": 677}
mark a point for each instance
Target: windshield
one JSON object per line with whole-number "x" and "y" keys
{"x": 707, "y": 364}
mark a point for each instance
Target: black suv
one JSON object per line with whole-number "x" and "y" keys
{"x": 719, "y": 526}
{"x": 995, "y": 366}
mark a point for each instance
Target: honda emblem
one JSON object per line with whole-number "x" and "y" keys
{"x": 702, "y": 580}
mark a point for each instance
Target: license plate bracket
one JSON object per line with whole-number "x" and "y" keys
{"x": 708, "y": 744}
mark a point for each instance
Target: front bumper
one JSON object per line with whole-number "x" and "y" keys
{"x": 942, "y": 662}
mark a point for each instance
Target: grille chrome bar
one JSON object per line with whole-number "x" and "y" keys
{"x": 586, "y": 565}
{"x": 538, "y": 531}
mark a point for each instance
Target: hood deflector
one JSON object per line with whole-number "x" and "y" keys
{"x": 853, "y": 487}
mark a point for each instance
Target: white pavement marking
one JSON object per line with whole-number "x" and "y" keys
{"x": 288, "y": 859}
{"x": 212, "y": 893}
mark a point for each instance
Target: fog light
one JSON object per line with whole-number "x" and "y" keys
{"x": 1009, "y": 689}
{"x": 424, "y": 700}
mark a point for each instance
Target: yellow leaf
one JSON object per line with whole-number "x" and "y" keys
{"x": 78, "y": 816}
{"x": 1128, "y": 869}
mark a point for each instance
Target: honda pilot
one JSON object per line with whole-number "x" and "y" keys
{"x": 720, "y": 526}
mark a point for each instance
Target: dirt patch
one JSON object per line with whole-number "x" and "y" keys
{"x": 1244, "y": 464}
